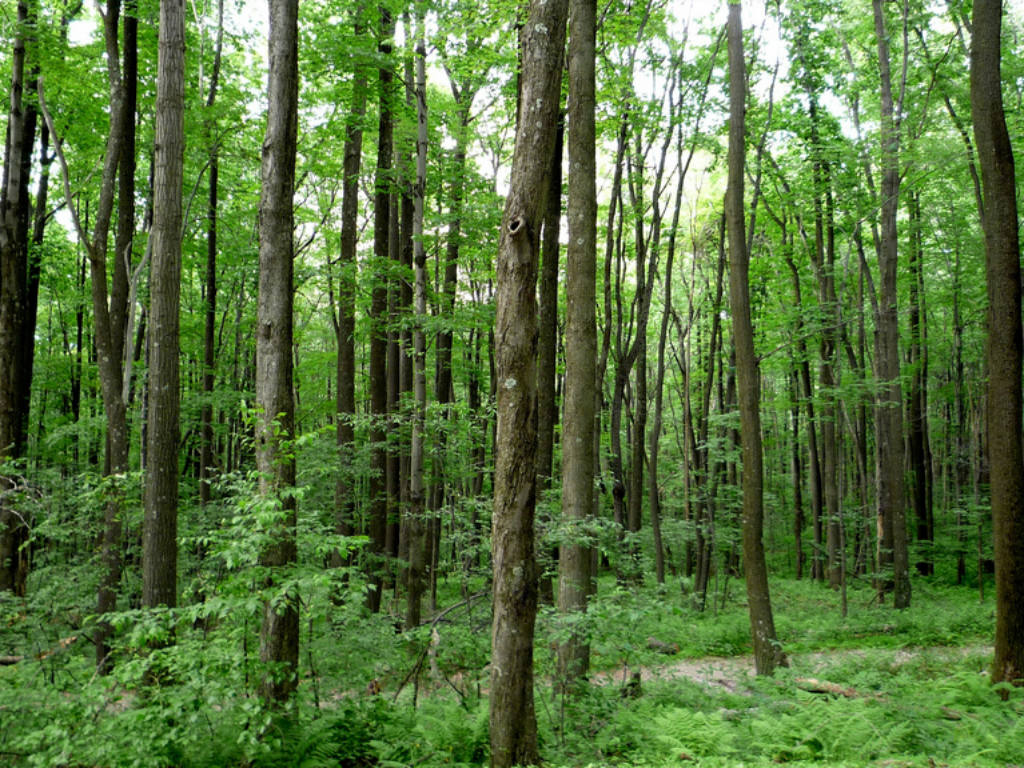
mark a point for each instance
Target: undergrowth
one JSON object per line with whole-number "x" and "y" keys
{"x": 893, "y": 688}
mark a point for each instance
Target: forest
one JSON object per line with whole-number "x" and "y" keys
{"x": 567, "y": 382}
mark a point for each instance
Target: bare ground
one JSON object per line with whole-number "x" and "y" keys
{"x": 731, "y": 672}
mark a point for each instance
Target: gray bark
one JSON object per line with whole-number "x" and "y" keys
{"x": 512, "y": 716}
{"x": 279, "y": 633}
{"x": 767, "y": 651}
{"x": 1003, "y": 350}
{"x": 574, "y": 572}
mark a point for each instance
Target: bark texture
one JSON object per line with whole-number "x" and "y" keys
{"x": 160, "y": 522}
{"x": 1002, "y": 259}
{"x": 279, "y": 634}
{"x": 512, "y": 716}
{"x": 378, "y": 311}
{"x": 889, "y": 409}
{"x": 108, "y": 313}
{"x": 14, "y": 242}
{"x": 767, "y": 651}
{"x": 416, "y": 520}
{"x": 574, "y": 574}
{"x": 206, "y": 448}
{"x": 344, "y": 506}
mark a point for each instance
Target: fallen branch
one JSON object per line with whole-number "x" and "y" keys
{"x": 811, "y": 685}
{"x": 64, "y": 644}
{"x": 426, "y": 648}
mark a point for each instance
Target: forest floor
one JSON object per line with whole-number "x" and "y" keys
{"x": 670, "y": 687}
{"x": 733, "y": 672}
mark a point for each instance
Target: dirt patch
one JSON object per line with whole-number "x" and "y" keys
{"x": 733, "y": 672}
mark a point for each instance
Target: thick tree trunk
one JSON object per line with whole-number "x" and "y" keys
{"x": 767, "y": 651}
{"x": 1003, "y": 351}
{"x": 574, "y": 572}
{"x": 14, "y": 247}
{"x": 512, "y": 717}
{"x": 275, "y": 460}
{"x": 889, "y": 408}
{"x": 160, "y": 522}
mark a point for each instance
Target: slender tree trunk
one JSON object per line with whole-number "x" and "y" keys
{"x": 574, "y": 571}
{"x": 512, "y": 716}
{"x": 344, "y": 503}
{"x": 160, "y": 522}
{"x": 378, "y": 310}
{"x": 916, "y": 399}
{"x": 547, "y": 341}
{"x": 417, "y": 501}
{"x": 400, "y": 226}
{"x": 814, "y": 460}
{"x": 463, "y": 95}
{"x": 106, "y": 331}
{"x": 767, "y": 651}
{"x": 654, "y": 439}
{"x": 275, "y": 459}
{"x": 210, "y": 327}
{"x": 1003, "y": 351}
{"x": 961, "y": 448}
{"x": 797, "y": 468}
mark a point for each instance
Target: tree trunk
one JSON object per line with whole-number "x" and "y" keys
{"x": 344, "y": 503}
{"x": 767, "y": 651}
{"x": 275, "y": 460}
{"x": 574, "y": 573}
{"x": 1003, "y": 351}
{"x": 416, "y": 522}
{"x": 512, "y": 718}
{"x": 210, "y": 327}
{"x": 797, "y": 469}
{"x": 105, "y": 329}
{"x": 14, "y": 246}
{"x": 378, "y": 310}
{"x": 547, "y": 342}
{"x": 160, "y": 522}
{"x": 889, "y": 408}
{"x": 917, "y": 397}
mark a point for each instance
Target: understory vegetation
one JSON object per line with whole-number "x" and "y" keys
{"x": 878, "y": 687}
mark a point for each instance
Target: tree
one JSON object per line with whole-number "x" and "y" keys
{"x": 14, "y": 247}
{"x": 416, "y": 526}
{"x": 210, "y": 326}
{"x": 512, "y": 716}
{"x": 767, "y": 651}
{"x": 574, "y": 574}
{"x": 1003, "y": 349}
{"x": 160, "y": 524}
{"x": 344, "y": 503}
{"x": 378, "y": 309}
{"x": 275, "y": 430}
{"x": 892, "y": 542}
{"x": 109, "y": 318}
